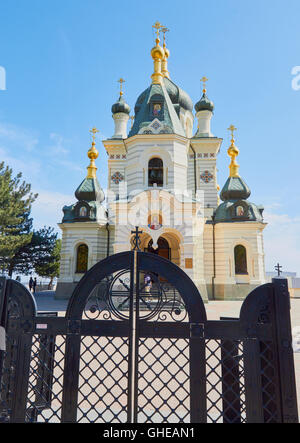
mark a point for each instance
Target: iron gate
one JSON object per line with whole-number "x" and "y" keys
{"x": 135, "y": 345}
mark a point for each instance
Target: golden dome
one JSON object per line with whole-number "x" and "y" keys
{"x": 233, "y": 151}
{"x": 157, "y": 51}
{"x": 92, "y": 152}
{"x": 167, "y": 52}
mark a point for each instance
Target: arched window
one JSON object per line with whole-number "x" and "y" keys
{"x": 240, "y": 260}
{"x": 155, "y": 172}
{"x": 82, "y": 259}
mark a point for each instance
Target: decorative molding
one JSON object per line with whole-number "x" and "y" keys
{"x": 117, "y": 177}
{"x": 117, "y": 156}
{"x": 206, "y": 176}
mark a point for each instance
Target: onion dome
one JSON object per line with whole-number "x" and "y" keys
{"x": 204, "y": 104}
{"x": 235, "y": 193}
{"x": 89, "y": 194}
{"x": 235, "y": 189}
{"x": 90, "y": 189}
{"x": 120, "y": 106}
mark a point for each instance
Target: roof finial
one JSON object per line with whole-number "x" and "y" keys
{"x": 204, "y": 80}
{"x": 157, "y": 54}
{"x": 121, "y": 81}
{"x": 92, "y": 154}
{"x": 164, "y": 65}
{"x": 233, "y": 152}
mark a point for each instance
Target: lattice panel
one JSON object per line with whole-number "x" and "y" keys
{"x": 44, "y": 400}
{"x": 225, "y": 382}
{"x": 163, "y": 381}
{"x": 103, "y": 380}
{"x": 268, "y": 382}
{"x": 8, "y": 379}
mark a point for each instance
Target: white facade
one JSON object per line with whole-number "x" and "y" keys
{"x": 179, "y": 211}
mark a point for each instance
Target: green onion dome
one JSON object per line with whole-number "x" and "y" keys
{"x": 204, "y": 104}
{"x": 120, "y": 106}
{"x": 235, "y": 189}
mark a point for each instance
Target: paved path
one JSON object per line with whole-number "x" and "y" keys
{"x": 45, "y": 302}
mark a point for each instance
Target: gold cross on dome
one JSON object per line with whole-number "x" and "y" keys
{"x": 232, "y": 128}
{"x": 94, "y": 132}
{"x": 204, "y": 80}
{"x": 121, "y": 81}
{"x": 157, "y": 26}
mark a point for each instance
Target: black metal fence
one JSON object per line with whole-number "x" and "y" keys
{"x": 128, "y": 350}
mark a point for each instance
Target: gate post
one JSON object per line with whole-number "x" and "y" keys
{"x": 283, "y": 332}
{"x": 3, "y": 303}
{"x": 3, "y": 296}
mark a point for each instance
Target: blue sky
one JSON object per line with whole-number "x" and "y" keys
{"x": 63, "y": 59}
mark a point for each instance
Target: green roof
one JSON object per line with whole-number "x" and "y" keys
{"x": 236, "y": 208}
{"x": 235, "y": 188}
{"x": 88, "y": 208}
{"x": 171, "y": 98}
{"x": 89, "y": 190}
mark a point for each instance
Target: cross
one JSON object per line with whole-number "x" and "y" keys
{"x": 278, "y": 269}
{"x": 121, "y": 81}
{"x": 164, "y": 30}
{"x": 232, "y": 128}
{"x": 157, "y": 26}
{"x": 204, "y": 80}
{"x": 136, "y": 239}
{"x": 94, "y": 132}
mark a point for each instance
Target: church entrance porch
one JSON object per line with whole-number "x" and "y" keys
{"x": 163, "y": 249}
{"x": 167, "y": 245}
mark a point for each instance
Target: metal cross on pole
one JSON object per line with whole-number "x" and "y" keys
{"x": 136, "y": 239}
{"x": 94, "y": 131}
{"x": 121, "y": 81}
{"x": 204, "y": 80}
{"x": 278, "y": 269}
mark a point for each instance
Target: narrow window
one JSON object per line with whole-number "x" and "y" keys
{"x": 82, "y": 259}
{"x": 155, "y": 172}
{"x": 240, "y": 260}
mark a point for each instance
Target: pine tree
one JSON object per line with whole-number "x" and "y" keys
{"x": 50, "y": 269}
{"x": 39, "y": 251}
{"x": 15, "y": 222}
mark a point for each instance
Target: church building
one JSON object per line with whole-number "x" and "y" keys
{"x": 162, "y": 177}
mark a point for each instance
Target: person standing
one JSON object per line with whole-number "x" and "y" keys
{"x": 147, "y": 282}
{"x": 30, "y": 283}
{"x": 34, "y": 285}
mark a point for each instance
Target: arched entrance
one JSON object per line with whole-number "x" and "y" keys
{"x": 163, "y": 249}
{"x": 168, "y": 246}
